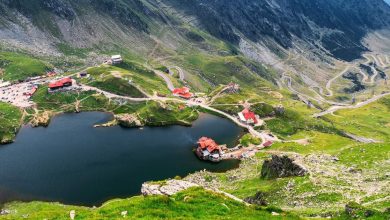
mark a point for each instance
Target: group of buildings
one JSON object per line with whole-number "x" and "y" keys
{"x": 209, "y": 150}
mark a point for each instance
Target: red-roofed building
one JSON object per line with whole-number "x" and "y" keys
{"x": 65, "y": 82}
{"x": 183, "y": 92}
{"x": 208, "y": 149}
{"x": 31, "y": 92}
{"x": 248, "y": 116}
{"x": 268, "y": 144}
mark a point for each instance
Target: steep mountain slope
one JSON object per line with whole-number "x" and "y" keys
{"x": 338, "y": 26}
{"x": 335, "y": 27}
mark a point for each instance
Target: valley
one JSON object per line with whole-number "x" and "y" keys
{"x": 297, "y": 90}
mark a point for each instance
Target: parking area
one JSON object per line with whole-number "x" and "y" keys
{"x": 18, "y": 94}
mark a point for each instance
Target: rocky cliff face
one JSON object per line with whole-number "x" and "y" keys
{"x": 337, "y": 26}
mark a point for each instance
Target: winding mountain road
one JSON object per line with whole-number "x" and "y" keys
{"x": 329, "y": 84}
{"x": 358, "y": 105}
{"x": 319, "y": 99}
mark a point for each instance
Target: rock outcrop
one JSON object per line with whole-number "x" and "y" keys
{"x": 128, "y": 120}
{"x": 41, "y": 119}
{"x": 168, "y": 188}
{"x": 5, "y": 140}
{"x": 281, "y": 166}
{"x": 258, "y": 199}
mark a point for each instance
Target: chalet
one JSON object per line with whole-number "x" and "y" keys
{"x": 116, "y": 59}
{"x": 65, "y": 82}
{"x": 208, "y": 149}
{"x": 183, "y": 92}
{"x": 248, "y": 117}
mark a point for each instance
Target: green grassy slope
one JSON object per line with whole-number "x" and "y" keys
{"x": 193, "y": 203}
{"x": 10, "y": 121}
{"x": 17, "y": 66}
{"x": 370, "y": 121}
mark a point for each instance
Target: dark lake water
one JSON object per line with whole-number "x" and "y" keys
{"x": 73, "y": 163}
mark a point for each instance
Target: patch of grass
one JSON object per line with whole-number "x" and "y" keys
{"x": 223, "y": 70}
{"x": 19, "y": 66}
{"x": 366, "y": 156}
{"x": 249, "y": 139}
{"x": 263, "y": 109}
{"x": 66, "y": 101}
{"x": 370, "y": 121}
{"x": 117, "y": 86}
{"x": 156, "y": 114}
{"x": 67, "y": 50}
{"x": 10, "y": 122}
{"x": 292, "y": 122}
{"x": 318, "y": 142}
{"x": 143, "y": 78}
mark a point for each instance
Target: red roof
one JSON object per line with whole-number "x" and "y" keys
{"x": 66, "y": 80}
{"x": 249, "y": 115}
{"x": 33, "y": 90}
{"x": 60, "y": 83}
{"x": 268, "y": 144}
{"x": 209, "y": 144}
{"x": 55, "y": 84}
{"x": 183, "y": 92}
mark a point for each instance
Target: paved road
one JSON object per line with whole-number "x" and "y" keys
{"x": 365, "y": 77}
{"x": 179, "y": 70}
{"x": 360, "y": 104}
{"x": 166, "y": 78}
{"x": 381, "y": 63}
{"x": 329, "y": 84}
{"x": 319, "y": 99}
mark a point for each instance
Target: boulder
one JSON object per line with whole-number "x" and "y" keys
{"x": 168, "y": 188}
{"x": 281, "y": 166}
{"x": 258, "y": 199}
{"x": 5, "y": 212}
